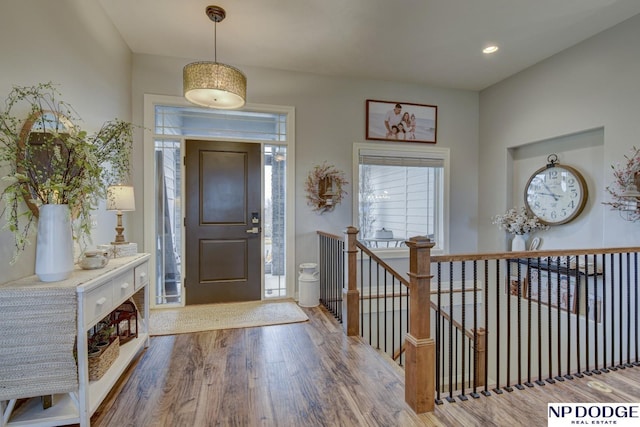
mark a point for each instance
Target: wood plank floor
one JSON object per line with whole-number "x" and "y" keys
{"x": 309, "y": 374}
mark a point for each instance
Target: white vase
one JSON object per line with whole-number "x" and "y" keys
{"x": 518, "y": 243}
{"x": 54, "y": 247}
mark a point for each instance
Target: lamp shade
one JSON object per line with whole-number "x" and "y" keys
{"x": 214, "y": 85}
{"x": 120, "y": 198}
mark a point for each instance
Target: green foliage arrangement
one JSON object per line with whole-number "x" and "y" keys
{"x": 45, "y": 158}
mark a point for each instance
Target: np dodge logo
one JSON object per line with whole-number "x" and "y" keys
{"x": 571, "y": 414}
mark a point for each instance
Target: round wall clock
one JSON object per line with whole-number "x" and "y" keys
{"x": 555, "y": 193}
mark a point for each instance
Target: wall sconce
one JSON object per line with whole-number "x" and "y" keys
{"x": 625, "y": 197}
{"x": 120, "y": 198}
{"x": 326, "y": 191}
{"x": 631, "y": 196}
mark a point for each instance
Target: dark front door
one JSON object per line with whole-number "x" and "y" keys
{"x": 223, "y": 223}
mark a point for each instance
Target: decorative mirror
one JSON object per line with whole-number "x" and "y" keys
{"x": 43, "y": 136}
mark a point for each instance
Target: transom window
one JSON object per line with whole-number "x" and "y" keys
{"x": 401, "y": 194}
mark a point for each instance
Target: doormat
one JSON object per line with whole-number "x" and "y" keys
{"x": 209, "y": 317}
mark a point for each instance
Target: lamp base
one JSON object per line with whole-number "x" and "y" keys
{"x": 119, "y": 229}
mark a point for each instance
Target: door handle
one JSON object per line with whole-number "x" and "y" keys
{"x": 254, "y": 230}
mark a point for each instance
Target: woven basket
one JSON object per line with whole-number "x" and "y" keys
{"x": 138, "y": 300}
{"x": 100, "y": 364}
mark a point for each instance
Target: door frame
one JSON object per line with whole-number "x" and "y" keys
{"x": 146, "y": 217}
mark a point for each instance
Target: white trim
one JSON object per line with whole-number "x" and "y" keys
{"x": 420, "y": 150}
{"x": 149, "y": 214}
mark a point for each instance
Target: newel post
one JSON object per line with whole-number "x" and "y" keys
{"x": 420, "y": 353}
{"x": 350, "y": 294}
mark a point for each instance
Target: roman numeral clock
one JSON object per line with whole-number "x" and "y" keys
{"x": 555, "y": 193}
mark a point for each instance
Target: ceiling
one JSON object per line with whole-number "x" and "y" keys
{"x": 433, "y": 42}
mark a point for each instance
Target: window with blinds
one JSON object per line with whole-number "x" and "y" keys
{"x": 401, "y": 192}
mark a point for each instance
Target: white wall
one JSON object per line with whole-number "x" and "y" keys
{"x": 330, "y": 117}
{"x": 73, "y": 44}
{"x": 593, "y": 85}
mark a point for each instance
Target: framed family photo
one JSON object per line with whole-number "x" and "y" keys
{"x": 401, "y": 121}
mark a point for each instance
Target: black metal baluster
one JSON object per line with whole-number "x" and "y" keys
{"x": 377, "y": 327}
{"x": 486, "y": 391}
{"x": 620, "y": 292}
{"x": 393, "y": 320}
{"x": 334, "y": 265}
{"x": 596, "y": 328}
{"x": 635, "y": 269}
{"x": 508, "y": 386}
{"x": 528, "y": 296}
{"x": 628, "y": 361}
{"x": 370, "y": 298}
{"x": 519, "y": 385}
{"x": 474, "y": 393}
{"x": 613, "y": 317}
{"x": 321, "y": 253}
{"x": 550, "y": 379}
{"x": 340, "y": 278}
{"x": 386, "y": 296}
{"x": 586, "y": 312}
{"x": 361, "y": 294}
{"x": 331, "y": 261}
{"x": 559, "y": 377}
{"x": 469, "y": 358}
{"x": 568, "y": 311}
{"x": 439, "y": 336}
{"x": 455, "y": 352}
{"x": 408, "y": 318}
{"x": 576, "y": 304}
{"x": 450, "y": 399}
{"x": 463, "y": 264}
{"x": 400, "y": 334}
{"x": 605, "y": 313}
{"x": 498, "y": 280}
{"x": 539, "y": 381}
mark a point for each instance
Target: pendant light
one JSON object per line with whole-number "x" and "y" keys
{"x": 212, "y": 84}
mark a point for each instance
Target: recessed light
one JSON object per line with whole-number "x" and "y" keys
{"x": 490, "y": 49}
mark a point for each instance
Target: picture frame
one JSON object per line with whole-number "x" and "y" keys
{"x": 512, "y": 286}
{"x": 544, "y": 286}
{"x": 420, "y": 119}
{"x": 594, "y": 308}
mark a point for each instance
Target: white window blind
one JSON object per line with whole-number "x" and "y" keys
{"x": 402, "y": 192}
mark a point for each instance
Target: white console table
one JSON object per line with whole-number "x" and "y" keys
{"x": 92, "y": 295}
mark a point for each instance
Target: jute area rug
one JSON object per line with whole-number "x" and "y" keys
{"x": 209, "y": 317}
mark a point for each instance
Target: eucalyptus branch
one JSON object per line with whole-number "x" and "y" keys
{"x": 66, "y": 167}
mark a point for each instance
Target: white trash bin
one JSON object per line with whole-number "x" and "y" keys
{"x": 309, "y": 285}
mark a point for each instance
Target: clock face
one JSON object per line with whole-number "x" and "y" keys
{"x": 556, "y": 194}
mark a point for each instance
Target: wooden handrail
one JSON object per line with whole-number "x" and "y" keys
{"x": 531, "y": 254}
{"x": 329, "y": 235}
{"x": 386, "y": 266}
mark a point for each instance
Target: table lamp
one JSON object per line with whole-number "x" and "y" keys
{"x": 120, "y": 198}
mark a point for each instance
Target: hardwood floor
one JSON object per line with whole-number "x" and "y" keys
{"x": 309, "y": 374}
